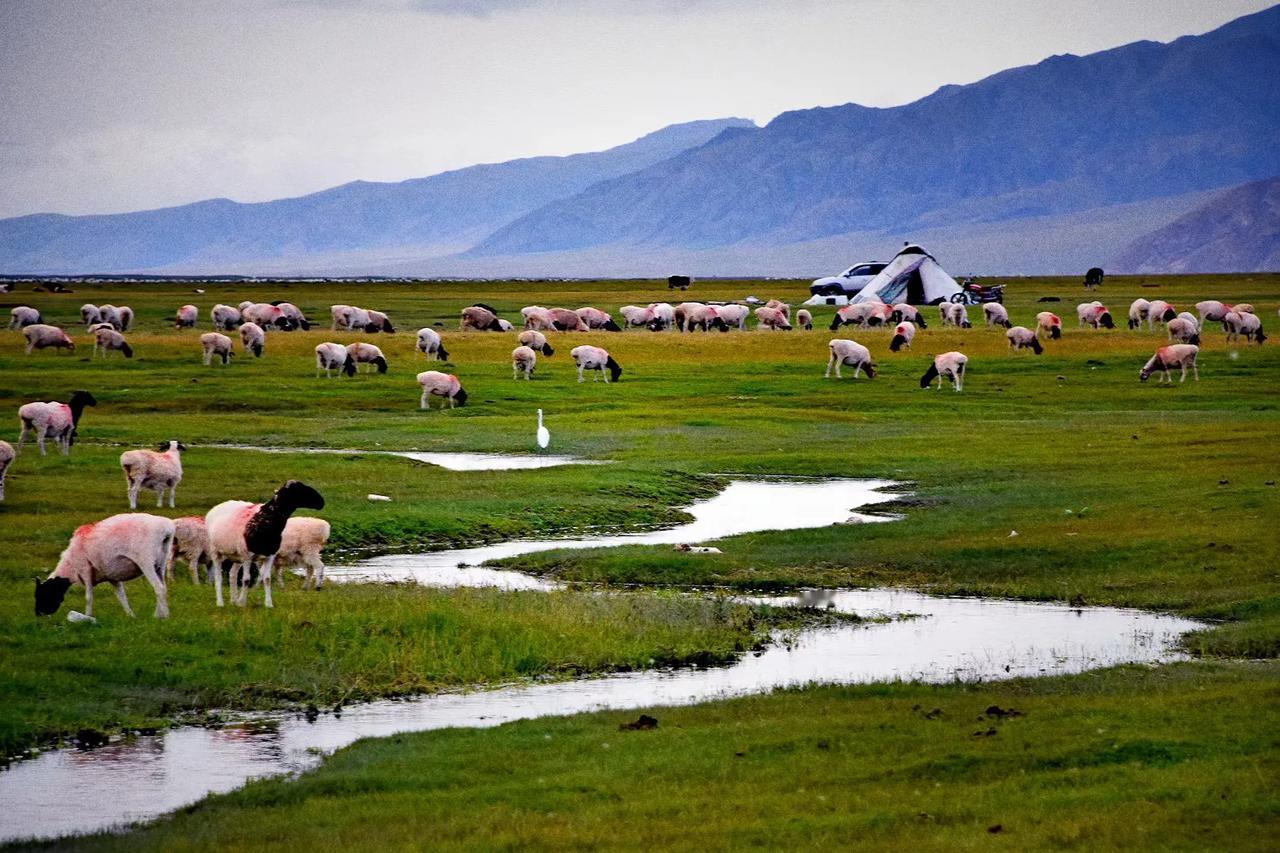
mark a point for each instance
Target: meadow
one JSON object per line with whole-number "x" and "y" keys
{"x": 1119, "y": 493}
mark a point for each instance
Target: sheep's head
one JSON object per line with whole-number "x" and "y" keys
{"x": 929, "y": 375}
{"x": 615, "y": 369}
{"x": 1168, "y": 314}
{"x": 720, "y": 324}
{"x": 49, "y": 595}
{"x": 81, "y": 399}
{"x": 372, "y": 328}
{"x": 298, "y": 495}
{"x": 1105, "y": 320}
{"x": 611, "y": 326}
{"x": 172, "y": 444}
{"x": 1055, "y": 332}
{"x": 387, "y": 327}
{"x": 546, "y": 350}
{"x": 460, "y": 397}
{"x": 381, "y": 364}
{"x": 349, "y": 366}
{"x": 835, "y": 322}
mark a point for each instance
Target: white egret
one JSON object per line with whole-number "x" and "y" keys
{"x": 544, "y": 436}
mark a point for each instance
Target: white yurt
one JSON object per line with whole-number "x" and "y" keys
{"x": 913, "y": 276}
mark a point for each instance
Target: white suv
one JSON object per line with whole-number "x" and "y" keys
{"x": 849, "y": 282}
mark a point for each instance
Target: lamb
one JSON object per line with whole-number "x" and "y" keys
{"x": 523, "y": 358}
{"x": 190, "y": 543}
{"x": 1020, "y": 337}
{"x": 240, "y": 531}
{"x": 903, "y": 334}
{"x": 379, "y": 322}
{"x": 7, "y": 454}
{"x": 58, "y": 421}
{"x": 362, "y": 353}
{"x": 950, "y": 365}
{"x": 1049, "y": 323}
{"x": 23, "y": 316}
{"x": 536, "y": 341}
{"x": 300, "y": 546}
{"x": 954, "y": 314}
{"x": 996, "y": 314}
{"x": 634, "y": 315}
{"x": 215, "y": 343}
{"x": 1237, "y": 324}
{"x": 186, "y": 317}
{"x": 852, "y": 353}
{"x": 41, "y": 336}
{"x": 1139, "y": 309}
{"x": 1095, "y": 315}
{"x": 225, "y": 317}
{"x": 1159, "y": 311}
{"x": 1174, "y": 355}
{"x": 1183, "y": 330}
{"x": 331, "y": 356}
{"x": 804, "y": 319}
{"x": 253, "y": 338}
{"x": 482, "y": 319}
{"x": 538, "y": 319}
{"x": 597, "y": 319}
{"x": 89, "y": 314}
{"x": 664, "y": 316}
{"x": 705, "y": 317}
{"x": 1211, "y": 310}
{"x": 772, "y": 318}
{"x": 437, "y": 384}
{"x": 907, "y": 311}
{"x": 110, "y": 339}
{"x": 736, "y": 315}
{"x": 595, "y": 358}
{"x": 114, "y": 550}
{"x": 148, "y": 469}
{"x": 430, "y": 345}
{"x": 564, "y": 320}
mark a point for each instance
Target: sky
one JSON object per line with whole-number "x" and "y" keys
{"x": 115, "y": 105}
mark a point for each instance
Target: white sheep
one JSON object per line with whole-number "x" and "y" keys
{"x": 89, "y": 314}
{"x": 253, "y": 338}
{"x": 430, "y": 344}
{"x": 295, "y": 316}
{"x": 186, "y": 317}
{"x": 537, "y": 341}
{"x": 1212, "y": 311}
{"x": 772, "y": 318}
{"x": 109, "y": 340}
{"x": 240, "y": 531}
{"x": 301, "y": 544}
{"x": 597, "y": 319}
{"x": 225, "y": 317}
{"x": 1159, "y": 311}
{"x": 331, "y": 356}
{"x": 863, "y": 314}
{"x": 664, "y": 316}
{"x": 632, "y": 315}
{"x": 120, "y": 317}
{"x": 907, "y": 311}
{"x": 536, "y": 319}
{"x": 954, "y": 314}
{"x": 350, "y": 318}
{"x": 216, "y": 343}
{"x": 362, "y": 353}
{"x": 1174, "y": 355}
{"x": 996, "y": 314}
{"x": 267, "y": 316}
{"x": 482, "y": 319}
{"x": 1020, "y": 337}
{"x": 852, "y": 354}
{"x": 1049, "y": 323}
{"x": 245, "y": 304}
{"x": 903, "y": 334}
{"x": 190, "y": 543}
{"x": 1138, "y": 312}
{"x": 523, "y": 359}
{"x": 380, "y": 322}
{"x": 41, "y": 336}
{"x": 564, "y": 320}
{"x": 737, "y": 315}
{"x": 23, "y": 316}
{"x": 149, "y": 469}
{"x": 705, "y": 317}
{"x": 444, "y": 385}
{"x": 1183, "y": 330}
{"x": 681, "y": 313}
{"x": 1095, "y": 315}
{"x": 1243, "y": 308}
{"x": 595, "y": 358}
{"x": 804, "y": 319}
{"x": 949, "y": 365}
{"x": 114, "y": 550}
{"x": 779, "y": 305}
{"x": 6, "y": 459}
{"x": 1238, "y": 323}
{"x": 58, "y": 421}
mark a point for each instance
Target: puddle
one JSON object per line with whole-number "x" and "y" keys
{"x": 451, "y": 461}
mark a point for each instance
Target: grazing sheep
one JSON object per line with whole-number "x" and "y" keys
{"x": 483, "y": 320}
{"x": 779, "y": 305}
{"x": 538, "y": 319}
{"x": 996, "y": 314}
{"x": 523, "y": 358}
{"x": 852, "y": 354}
{"x": 949, "y": 365}
{"x": 1049, "y": 323}
{"x": 331, "y": 356}
{"x": 240, "y": 531}
{"x": 634, "y": 315}
{"x": 772, "y": 318}
{"x": 41, "y": 336}
{"x": 1174, "y": 355}
{"x": 190, "y": 543}
{"x": 903, "y": 334}
{"x": 955, "y": 314}
{"x": 111, "y": 340}
{"x": 564, "y": 320}
{"x": 215, "y": 343}
{"x": 1020, "y": 337}
{"x": 1212, "y": 311}
{"x": 681, "y": 313}
{"x": 295, "y": 316}
{"x": 537, "y": 341}
{"x": 907, "y": 311}
{"x": 664, "y": 316}
{"x": 1243, "y": 308}
{"x": 267, "y": 316}
{"x": 1237, "y": 324}
{"x": 1095, "y": 315}
{"x": 1189, "y": 317}
{"x": 597, "y": 319}
{"x": 245, "y": 304}
{"x": 864, "y": 314}
{"x": 148, "y": 469}
{"x": 1183, "y": 330}
{"x": 120, "y": 317}
{"x": 113, "y": 550}
{"x": 186, "y": 317}
{"x": 58, "y": 421}
{"x": 6, "y": 459}
{"x": 379, "y": 322}
{"x": 23, "y": 316}
{"x": 737, "y": 315}
{"x": 225, "y": 318}
{"x": 362, "y": 353}
{"x": 437, "y": 384}
{"x": 595, "y": 358}
{"x": 430, "y": 345}
{"x": 253, "y": 337}
{"x": 505, "y": 325}
{"x": 804, "y": 319}
{"x": 1139, "y": 309}
{"x": 705, "y": 317}
{"x": 89, "y": 314}
{"x": 300, "y": 546}
{"x": 1159, "y": 311}
{"x": 352, "y": 319}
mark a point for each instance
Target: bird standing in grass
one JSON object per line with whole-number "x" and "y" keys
{"x": 544, "y": 436}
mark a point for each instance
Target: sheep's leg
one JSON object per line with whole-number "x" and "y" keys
{"x": 266, "y": 578}
{"x": 124, "y": 598}
{"x": 857, "y": 369}
{"x": 154, "y": 574}
{"x": 1184, "y": 373}
{"x": 1194, "y": 369}
{"x": 134, "y": 486}
{"x": 579, "y": 372}
{"x": 173, "y": 495}
{"x": 88, "y": 598}
{"x": 40, "y": 434}
{"x": 216, "y": 568}
{"x": 830, "y": 362}
{"x": 423, "y": 403}
{"x": 317, "y": 564}
{"x": 960, "y": 379}
{"x": 245, "y": 571}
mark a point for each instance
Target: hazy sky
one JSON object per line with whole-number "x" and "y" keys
{"x": 110, "y": 105}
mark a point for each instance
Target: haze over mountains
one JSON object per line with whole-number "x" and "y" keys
{"x": 1046, "y": 168}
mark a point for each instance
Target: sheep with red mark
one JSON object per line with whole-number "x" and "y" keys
{"x": 1238, "y": 323}
{"x": 850, "y": 354}
{"x": 482, "y": 319}
{"x": 41, "y": 336}
{"x": 240, "y": 532}
{"x": 225, "y": 317}
{"x": 114, "y": 550}
{"x": 216, "y": 343}
{"x": 253, "y": 338}
{"x": 109, "y": 340}
{"x": 1020, "y": 337}
{"x": 267, "y": 316}
{"x": 1095, "y": 315}
{"x": 949, "y": 365}
{"x": 301, "y": 545}
{"x": 362, "y": 353}
{"x": 863, "y": 314}
{"x": 23, "y": 316}
{"x": 704, "y": 317}
{"x": 148, "y": 469}
{"x": 1049, "y": 323}
{"x": 779, "y": 305}
{"x": 598, "y": 359}
{"x": 564, "y": 320}
{"x": 89, "y": 314}
{"x": 597, "y": 319}
{"x": 536, "y": 341}
{"x": 737, "y": 315}
{"x": 906, "y": 311}
{"x": 1174, "y": 355}
{"x": 186, "y": 317}
{"x": 1212, "y": 311}
{"x": 430, "y": 344}
{"x": 954, "y": 314}
{"x": 7, "y": 453}
{"x": 635, "y": 316}
{"x": 331, "y": 356}
{"x": 996, "y": 315}
{"x": 190, "y": 543}
{"x": 443, "y": 385}
{"x": 1139, "y": 310}
{"x": 1159, "y": 311}
{"x": 903, "y": 334}
{"x": 523, "y": 360}
{"x": 773, "y": 319}
{"x": 804, "y": 319}
{"x": 58, "y": 421}
{"x": 1183, "y": 330}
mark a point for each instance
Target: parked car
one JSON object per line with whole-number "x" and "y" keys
{"x": 849, "y": 282}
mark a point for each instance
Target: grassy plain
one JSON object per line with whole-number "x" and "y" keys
{"x": 1120, "y": 493}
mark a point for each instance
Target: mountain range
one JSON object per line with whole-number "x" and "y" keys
{"x": 1138, "y": 157}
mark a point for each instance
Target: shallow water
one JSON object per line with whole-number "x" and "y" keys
{"x": 451, "y": 461}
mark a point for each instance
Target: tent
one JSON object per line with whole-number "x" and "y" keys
{"x": 913, "y": 276}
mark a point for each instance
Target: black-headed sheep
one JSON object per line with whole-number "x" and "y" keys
{"x": 114, "y": 550}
